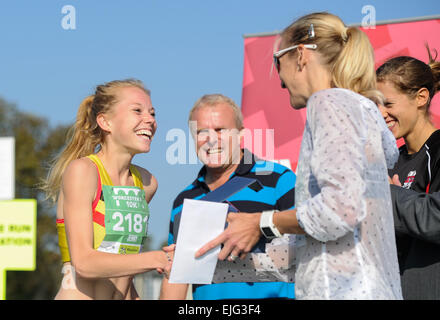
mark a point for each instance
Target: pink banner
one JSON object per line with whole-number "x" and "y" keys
{"x": 265, "y": 104}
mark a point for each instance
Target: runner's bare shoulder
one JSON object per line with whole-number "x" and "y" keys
{"x": 81, "y": 173}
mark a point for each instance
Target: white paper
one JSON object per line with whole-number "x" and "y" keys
{"x": 201, "y": 222}
{"x": 7, "y": 164}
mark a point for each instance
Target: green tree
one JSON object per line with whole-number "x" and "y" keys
{"x": 35, "y": 144}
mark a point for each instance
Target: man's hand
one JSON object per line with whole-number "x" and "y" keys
{"x": 169, "y": 252}
{"x": 242, "y": 233}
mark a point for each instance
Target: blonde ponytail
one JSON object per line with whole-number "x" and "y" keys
{"x": 81, "y": 142}
{"x": 354, "y": 66}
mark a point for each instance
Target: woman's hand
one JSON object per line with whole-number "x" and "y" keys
{"x": 242, "y": 233}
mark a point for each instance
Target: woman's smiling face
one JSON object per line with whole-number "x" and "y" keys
{"x": 400, "y": 111}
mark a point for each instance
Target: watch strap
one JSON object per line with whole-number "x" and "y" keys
{"x": 267, "y": 226}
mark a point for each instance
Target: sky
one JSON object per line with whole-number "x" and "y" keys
{"x": 181, "y": 50}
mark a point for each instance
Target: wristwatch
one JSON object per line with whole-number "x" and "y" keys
{"x": 267, "y": 226}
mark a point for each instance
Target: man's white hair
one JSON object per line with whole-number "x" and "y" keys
{"x": 209, "y": 100}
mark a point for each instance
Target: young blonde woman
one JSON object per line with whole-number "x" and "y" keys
{"x": 102, "y": 198}
{"x": 409, "y": 86}
{"x": 342, "y": 195}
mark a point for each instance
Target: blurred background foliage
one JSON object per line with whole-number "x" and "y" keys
{"x": 36, "y": 143}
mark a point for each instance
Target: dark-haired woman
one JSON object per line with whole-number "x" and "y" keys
{"x": 409, "y": 85}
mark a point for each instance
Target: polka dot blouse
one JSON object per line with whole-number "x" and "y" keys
{"x": 343, "y": 201}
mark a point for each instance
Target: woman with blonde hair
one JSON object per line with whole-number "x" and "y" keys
{"x": 343, "y": 205}
{"x": 102, "y": 198}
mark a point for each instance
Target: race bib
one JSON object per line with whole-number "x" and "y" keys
{"x": 126, "y": 219}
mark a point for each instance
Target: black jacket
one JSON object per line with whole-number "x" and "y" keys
{"x": 417, "y": 224}
{"x": 417, "y": 220}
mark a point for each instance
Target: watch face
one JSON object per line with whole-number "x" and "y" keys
{"x": 268, "y": 232}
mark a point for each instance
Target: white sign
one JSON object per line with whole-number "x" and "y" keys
{"x": 7, "y": 168}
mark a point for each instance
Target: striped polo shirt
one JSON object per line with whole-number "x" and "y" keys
{"x": 275, "y": 189}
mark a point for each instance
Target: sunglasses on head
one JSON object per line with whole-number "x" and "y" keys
{"x": 277, "y": 55}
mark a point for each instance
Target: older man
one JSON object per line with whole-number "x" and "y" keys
{"x": 216, "y": 122}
